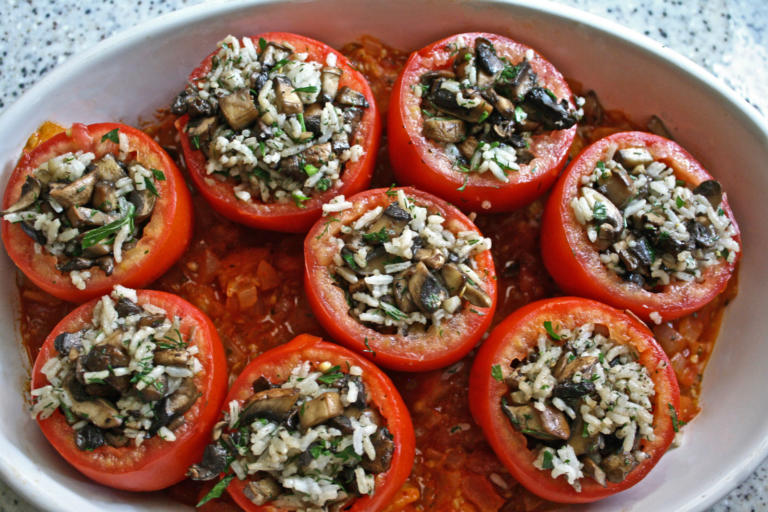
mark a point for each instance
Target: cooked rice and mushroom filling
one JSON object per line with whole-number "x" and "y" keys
{"x": 125, "y": 377}
{"x": 86, "y": 211}
{"x": 485, "y": 109}
{"x": 273, "y": 121}
{"x": 584, "y": 404}
{"x": 403, "y": 269}
{"x": 650, "y": 227}
{"x": 314, "y": 442}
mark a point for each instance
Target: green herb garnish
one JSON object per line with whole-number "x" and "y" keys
{"x": 551, "y": 332}
{"x": 111, "y": 135}
{"x": 216, "y": 491}
{"x": 158, "y": 174}
{"x": 379, "y": 236}
{"x": 496, "y": 372}
{"x": 151, "y": 187}
{"x": 546, "y": 460}
{"x": 310, "y": 169}
{"x": 95, "y": 236}
{"x": 309, "y": 89}
{"x": 262, "y": 44}
{"x": 331, "y": 375}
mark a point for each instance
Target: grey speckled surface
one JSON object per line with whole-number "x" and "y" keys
{"x": 727, "y": 37}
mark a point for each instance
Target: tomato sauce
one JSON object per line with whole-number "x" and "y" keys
{"x": 250, "y": 283}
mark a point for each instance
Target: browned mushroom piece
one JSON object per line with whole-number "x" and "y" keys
{"x": 107, "y": 168}
{"x": 98, "y": 411}
{"x": 320, "y": 409}
{"x": 444, "y": 130}
{"x": 203, "y": 129}
{"x": 384, "y": 445}
{"x": 468, "y": 147}
{"x": 104, "y": 196}
{"x": 273, "y": 404}
{"x": 618, "y": 465}
{"x": 239, "y": 109}
{"x": 76, "y": 193}
{"x": 318, "y": 154}
{"x": 453, "y": 277}
{"x": 432, "y": 258}
{"x": 154, "y": 390}
{"x": 288, "y": 100}
{"x": 262, "y": 491}
{"x": 30, "y": 191}
{"x": 82, "y": 216}
{"x": 171, "y": 357}
{"x": 144, "y": 201}
{"x": 428, "y": 293}
{"x": 591, "y": 469}
{"x": 581, "y": 365}
{"x": 547, "y": 425}
{"x": 712, "y": 190}
{"x": 329, "y": 80}
{"x": 462, "y": 63}
{"x": 603, "y": 210}
{"x": 351, "y": 98}
{"x": 487, "y": 60}
{"x": 274, "y": 53}
{"x": 617, "y": 186}
{"x": 632, "y": 157}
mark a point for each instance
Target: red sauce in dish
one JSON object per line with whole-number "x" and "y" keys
{"x": 250, "y": 284}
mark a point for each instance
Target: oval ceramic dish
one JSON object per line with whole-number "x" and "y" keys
{"x": 728, "y": 438}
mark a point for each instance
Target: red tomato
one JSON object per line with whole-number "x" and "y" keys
{"x": 573, "y": 261}
{"x": 276, "y": 366}
{"x": 165, "y": 236}
{"x": 415, "y": 352}
{"x": 512, "y": 340}
{"x": 155, "y": 464}
{"x": 288, "y": 217}
{"x": 422, "y": 163}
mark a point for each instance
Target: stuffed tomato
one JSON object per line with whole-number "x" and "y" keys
{"x": 128, "y": 387}
{"x": 481, "y": 121}
{"x": 311, "y": 425}
{"x": 276, "y": 125}
{"x": 400, "y": 276}
{"x": 576, "y": 398}
{"x": 636, "y": 222}
{"x": 95, "y": 206}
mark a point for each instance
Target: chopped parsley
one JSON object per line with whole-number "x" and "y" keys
{"x": 331, "y": 376}
{"x": 310, "y": 169}
{"x": 323, "y": 184}
{"x": 111, "y": 135}
{"x": 158, "y": 174}
{"x": 379, "y": 236}
{"x": 551, "y": 331}
{"x": 599, "y": 211}
{"x": 262, "y": 44}
{"x": 392, "y": 311}
{"x": 676, "y": 423}
{"x": 496, "y": 372}
{"x": 546, "y": 460}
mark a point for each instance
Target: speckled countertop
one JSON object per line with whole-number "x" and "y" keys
{"x": 727, "y": 37}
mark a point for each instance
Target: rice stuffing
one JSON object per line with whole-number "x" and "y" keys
{"x": 87, "y": 211}
{"x": 126, "y": 376}
{"x": 484, "y": 111}
{"x": 273, "y": 122}
{"x": 404, "y": 270}
{"x": 313, "y": 442}
{"x": 584, "y": 403}
{"x": 650, "y": 227}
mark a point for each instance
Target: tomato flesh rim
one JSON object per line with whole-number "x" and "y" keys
{"x": 574, "y": 263}
{"x": 419, "y": 162}
{"x": 156, "y": 464}
{"x": 165, "y": 236}
{"x": 288, "y": 217}
{"x": 276, "y": 364}
{"x": 512, "y": 339}
{"x": 460, "y": 333}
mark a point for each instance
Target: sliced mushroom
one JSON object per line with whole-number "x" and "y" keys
{"x": 89, "y": 438}
{"x": 712, "y": 190}
{"x": 274, "y": 53}
{"x": 75, "y": 264}
{"x": 394, "y": 211}
{"x": 76, "y": 193}
{"x": 189, "y": 102}
{"x": 126, "y": 307}
{"x": 632, "y": 157}
{"x": 543, "y": 108}
{"x": 593, "y": 471}
{"x": 67, "y": 342}
{"x": 339, "y": 142}
{"x": 342, "y": 423}
{"x": 432, "y": 258}
{"x": 431, "y": 76}
{"x": 617, "y": 186}
{"x": 239, "y": 109}
{"x": 403, "y": 299}
{"x": 30, "y": 191}
{"x": 273, "y": 404}
{"x": 213, "y": 463}
{"x": 98, "y": 411}
{"x": 603, "y": 208}
{"x": 329, "y": 79}
{"x": 202, "y": 129}
{"x": 154, "y": 390}
{"x": 444, "y": 130}
{"x": 453, "y": 277}
{"x": 547, "y": 426}
{"x": 468, "y": 146}
{"x": 350, "y": 97}
{"x": 262, "y": 491}
{"x": 116, "y": 439}
{"x": 144, "y": 201}
{"x": 487, "y": 60}
{"x": 702, "y": 233}
{"x": 516, "y": 87}
{"x": 32, "y": 233}
{"x": 174, "y": 406}
{"x": 288, "y": 100}
{"x": 387, "y": 225}
{"x": 582, "y": 365}
{"x": 107, "y": 169}
{"x": 312, "y": 120}
{"x": 475, "y": 295}
{"x": 104, "y": 357}
{"x": 569, "y": 389}
{"x": 261, "y": 384}
{"x": 152, "y": 320}
{"x": 171, "y": 357}
{"x": 318, "y": 154}
{"x": 320, "y": 409}
{"x": 643, "y": 251}
{"x": 462, "y": 63}
{"x": 445, "y": 100}
{"x": 618, "y": 466}
{"x": 384, "y": 446}
{"x": 104, "y": 196}
{"x": 426, "y": 290}
{"x": 503, "y": 106}
{"x": 81, "y": 216}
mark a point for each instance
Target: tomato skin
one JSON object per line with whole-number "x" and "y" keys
{"x": 156, "y": 464}
{"x": 165, "y": 236}
{"x": 512, "y": 339}
{"x": 287, "y": 217}
{"x": 421, "y": 163}
{"x": 405, "y": 353}
{"x": 574, "y": 263}
{"x": 276, "y": 365}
